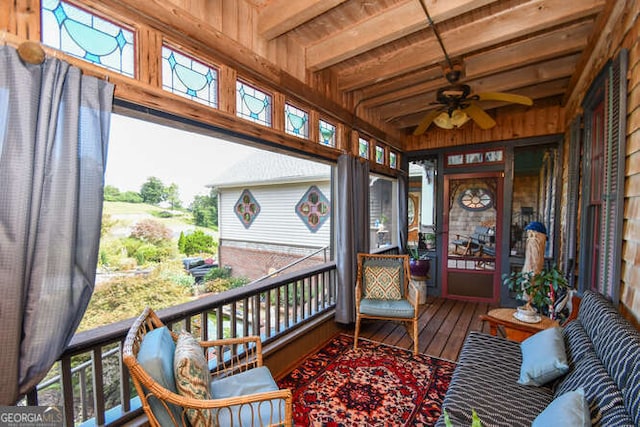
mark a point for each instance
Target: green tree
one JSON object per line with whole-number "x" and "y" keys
{"x": 130, "y": 197}
{"x": 205, "y": 210}
{"x": 153, "y": 191}
{"x": 172, "y": 195}
{"x": 111, "y": 193}
{"x": 198, "y": 242}
{"x": 181, "y": 242}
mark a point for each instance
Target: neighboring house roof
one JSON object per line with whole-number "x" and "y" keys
{"x": 271, "y": 168}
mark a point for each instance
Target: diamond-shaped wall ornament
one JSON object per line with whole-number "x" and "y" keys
{"x": 313, "y": 208}
{"x": 247, "y": 208}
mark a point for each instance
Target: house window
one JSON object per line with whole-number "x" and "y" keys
{"x": 297, "y": 121}
{"x": 383, "y": 211}
{"x": 363, "y": 148}
{"x": 393, "y": 160}
{"x": 85, "y": 35}
{"x": 253, "y": 104}
{"x": 379, "y": 155}
{"x": 185, "y": 76}
{"x": 247, "y": 208}
{"x": 313, "y": 208}
{"x": 327, "y": 134}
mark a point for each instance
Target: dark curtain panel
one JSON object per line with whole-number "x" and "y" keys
{"x": 352, "y": 230}
{"x": 403, "y": 225}
{"x": 54, "y": 126}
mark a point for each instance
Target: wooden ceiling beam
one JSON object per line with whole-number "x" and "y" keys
{"x": 505, "y": 82}
{"x": 282, "y": 16}
{"x": 374, "y": 31}
{"x": 541, "y": 48}
{"x": 490, "y": 30}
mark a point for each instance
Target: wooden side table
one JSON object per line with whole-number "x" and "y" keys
{"x": 512, "y": 328}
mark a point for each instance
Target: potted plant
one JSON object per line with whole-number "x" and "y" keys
{"x": 537, "y": 290}
{"x": 419, "y": 264}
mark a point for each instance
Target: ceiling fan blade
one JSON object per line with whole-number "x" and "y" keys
{"x": 479, "y": 116}
{"x": 506, "y": 97}
{"x": 426, "y": 121}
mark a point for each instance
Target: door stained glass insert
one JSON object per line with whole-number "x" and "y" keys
{"x": 327, "y": 133}
{"x": 476, "y": 199}
{"x": 84, "y": 35}
{"x": 363, "y": 148}
{"x": 252, "y": 104}
{"x": 189, "y": 78}
{"x": 297, "y": 121}
{"x": 247, "y": 208}
{"x": 313, "y": 208}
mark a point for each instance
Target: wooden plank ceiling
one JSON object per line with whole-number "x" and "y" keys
{"x": 388, "y": 63}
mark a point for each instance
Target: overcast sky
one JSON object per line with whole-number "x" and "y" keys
{"x": 139, "y": 149}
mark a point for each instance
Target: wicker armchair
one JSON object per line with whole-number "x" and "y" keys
{"x": 237, "y": 366}
{"x": 382, "y": 292}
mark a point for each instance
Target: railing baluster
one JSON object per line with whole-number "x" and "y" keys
{"x": 267, "y": 314}
{"x": 66, "y": 384}
{"x": 245, "y": 317}
{"x": 98, "y": 385}
{"x": 84, "y": 399}
{"x": 278, "y": 307}
{"x": 125, "y": 390}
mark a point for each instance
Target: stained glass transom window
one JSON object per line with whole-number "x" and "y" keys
{"x": 379, "y": 154}
{"x": 313, "y": 208}
{"x": 297, "y": 121}
{"x": 84, "y": 35}
{"x": 247, "y": 208}
{"x": 188, "y": 77}
{"x": 476, "y": 199}
{"x": 327, "y": 133}
{"x": 252, "y": 104}
{"x": 363, "y": 148}
{"x": 393, "y": 160}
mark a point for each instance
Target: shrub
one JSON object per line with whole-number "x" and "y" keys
{"x": 217, "y": 273}
{"x": 151, "y": 231}
{"x": 162, "y": 214}
{"x": 198, "y": 242}
{"x": 221, "y": 284}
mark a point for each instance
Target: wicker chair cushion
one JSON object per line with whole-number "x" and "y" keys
{"x": 382, "y": 282}
{"x": 192, "y": 377}
{"x": 387, "y": 308}
{"x": 156, "y": 358}
{"x": 543, "y": 357}
{"x": 570, "y": 409}
{"x": 255, "y": 380}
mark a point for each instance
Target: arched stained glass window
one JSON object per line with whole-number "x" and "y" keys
{"x": 297, "y": 121}
{"x": 79, "y": 33}
{"x": 327, "y": 133}
{"x": 183, "y": 75}
{"x": 252, "y": 104}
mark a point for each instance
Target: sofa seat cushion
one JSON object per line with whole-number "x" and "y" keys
{"x": 605, "y": 399}
{"x": 387, "y": 308}
{"x": 256, "y": 380}
{"x": 486, "y": 379}
{"x": 156, "y": 358}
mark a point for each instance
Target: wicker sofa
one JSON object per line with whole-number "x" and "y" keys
{"x": 603, "y": 354}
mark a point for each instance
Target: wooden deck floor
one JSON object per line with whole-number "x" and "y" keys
{"x": 443, "y": 326}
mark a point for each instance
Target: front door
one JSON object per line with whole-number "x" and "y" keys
{"x": 471, "y": 229}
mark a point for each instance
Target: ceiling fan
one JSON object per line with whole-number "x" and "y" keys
{"x": 456, "y": 103}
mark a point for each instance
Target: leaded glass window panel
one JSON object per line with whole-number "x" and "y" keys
{"x": 327, "y": 133}
{"x": 313, "y": 208}
{"x": 188, "y": 77}
{"x": 297, "y": 121}
{"x": 393, "y": 160}
{"x": 80, "y": 33}
{"x": 252, "y": 104}
{"x": 363, "y": 148}
{"x": 379, "y": 154}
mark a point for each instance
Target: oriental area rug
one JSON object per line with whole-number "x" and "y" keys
{"x": 377, "y": 385}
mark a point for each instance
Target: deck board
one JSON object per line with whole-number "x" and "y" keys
{"x": 442, "y": 327}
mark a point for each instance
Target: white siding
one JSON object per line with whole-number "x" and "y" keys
{"x": 277, "y": 221}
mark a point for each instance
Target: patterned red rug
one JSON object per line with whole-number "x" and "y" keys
{"x": 377, "y": 385}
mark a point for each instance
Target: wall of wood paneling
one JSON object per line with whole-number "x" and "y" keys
{"x": 511, "y": 123}
{"x": 620, "y": 29}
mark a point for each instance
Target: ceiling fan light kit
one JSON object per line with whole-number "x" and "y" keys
{"x": 455, "y": 120}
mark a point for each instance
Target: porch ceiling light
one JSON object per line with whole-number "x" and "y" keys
{"x": 456, "y": 119}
